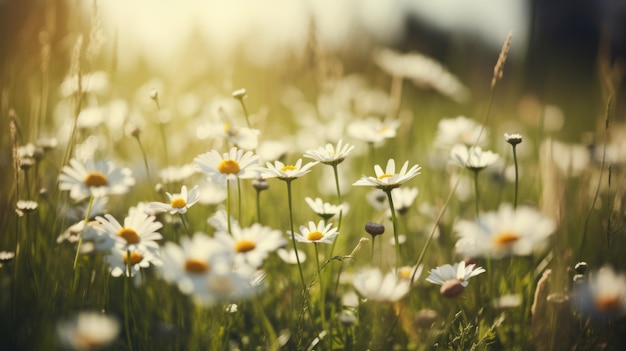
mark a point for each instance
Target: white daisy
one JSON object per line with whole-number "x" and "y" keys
{"x": 289, "y": 256}
{"x": 403, "y": 198}
{"x": 330, "y": 154}
{"x": 179, "y": 203}
{"x": 94, "y": 178}
{"x": 138, "y": 231}
{"x": 189, "y": 265}
{"x": 408, "y": 273}
{"x": 130, "y": 261}
{"x": 251, "y": 245}
{"x": 88, "y": 331}
{"x": 373, "y": 130}
{"x": 372, "y": 285}
{"x": 389, "y": 179}
{"x": 287, "y": 172}
{"x": 228, "y": 166}
{"x": 320, "y": 233}
{"x": 324, "y": 209}
{"x": 474, "y": 158}
{"x": 174, "y": 174}
{"x": 453, "y": 279}
{"x": 507, "y": 232}
{"x": 458, "y": 130}
{"x": 602, "y": 295}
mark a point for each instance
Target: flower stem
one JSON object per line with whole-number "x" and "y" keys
{"x": 322, "y": 292}
{"x": 182, "y": 219}
{"x": 245, "y": 112}
{"x": 80, "y": 239}
{"x": 228, "y": 205}
{"x": 265, "y": 322}
{"x": 293, "y": 238}
{"x": 394, "y": 221}
{"x": 516, "y": 176}
{"x": 145, "y": 159}
{"x": 477, "y": 194}
{"x": 127, "y": 301}
{"x": 332, "y": 247}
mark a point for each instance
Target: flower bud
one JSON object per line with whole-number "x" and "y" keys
{"x": 374, "y": 229}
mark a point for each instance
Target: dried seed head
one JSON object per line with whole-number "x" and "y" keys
{"x": 374, "y": 229}
{"x": 498, "y": 69}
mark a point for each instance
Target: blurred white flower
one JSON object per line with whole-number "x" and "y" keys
{"x": 373, "y": 130}
{"x": 129, "y": 262}
{"x": 88, "y": 331}
{"x": 176, "y": 174}
{"x": 324, "y": 209}
{"x": 372, "y": 285}
{"x": 423, "y": 71}
{"x": 505, "y": 232}
{"x": 473, "y": 158}
{"x": 93, "y": 83}
{"x": 289, "y": 256}
{"x": 251, "y": 245}
{"x": 458, "y": 130}
{"x": 330, "y": 154}
{"x": 602, "y": 295}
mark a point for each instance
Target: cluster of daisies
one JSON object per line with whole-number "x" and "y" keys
{"x": 228, "y": 264}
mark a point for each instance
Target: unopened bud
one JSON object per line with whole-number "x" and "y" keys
{"x": 374, "y": 229}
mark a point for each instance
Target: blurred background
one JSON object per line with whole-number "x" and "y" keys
{"x": 559, "y": 47}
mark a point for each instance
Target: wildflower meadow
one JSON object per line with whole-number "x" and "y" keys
{"x": 327, "y": 201}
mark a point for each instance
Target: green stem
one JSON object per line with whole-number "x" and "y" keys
{"x": 293, "y": 238}
{"x": 332, "y": 247}
{"x": 394, "y": 221}
{"x": 245, "y": 112}
{"x": 477, "y": 194}
{"x": 322, "y": 292}
{"x": 145, "y": 159}
{"x": 80, "y": 239}
{"x": 516, "y": 176}
{"x": 162, "y": 132}
{"x": 265, "y": 322}
{"x": 258, "y": 206}
{"x": 182, "y": 219}
{"x": 239, "y": 200}
{"x": 228, "y": 205}
{"x": 127, "y": 279}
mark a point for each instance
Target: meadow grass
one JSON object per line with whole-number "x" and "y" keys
{"x": 517, "y": 251}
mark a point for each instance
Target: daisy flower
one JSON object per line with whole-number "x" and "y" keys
{"x": 389, "y": 179}
{"x": 330, "y": 154}
{"x": 409, "y": 273}
{"x": 88, "y": 331}
{"x": 372, "y": 130}
{"x": 602, "y": 295}
{"x": 94, "y": 178}
{"x": 507, "y": 232}
{"x": 287, "y": 172}
{"x": 320, "y": 233}
{"x": 289, "y": 256}
{"x": 189, "y": 265}
{"x": 138, "y": 231}
{"x": 228, "y": 166}
{"x": 251, "y": 245}
{"x": 453, "y": 279}
{"x": 179, "y": 203}
{"x": 224, "y": 284}
{"x": 403, "y": 198}
{"x": 325, "y": 209}
{"x": 129, "y": 262}
{"x": 474, "y": 158}
{"x": 372, "y": 285}
{"x": 458, "y": 130}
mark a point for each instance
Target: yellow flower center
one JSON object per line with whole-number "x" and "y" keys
{"x": 196, "y": 266}
{"x": 606, "y": 303}
{"x": 314, "y": 236}
{"x": 383, "y": 176}
{"x": 244, "y": 245}
{"x": 129, "y": 234}
{"x": 228, "y": 128}
{"x": 228, "y": 167}
{"x": 95, "y": 179}
{"x": 506, "y": 238}
{"x": 135, "y": 257}
{"x": 288, "y": 168}
{"x": 178, "y": 202}
{"x": 405, "y": 273}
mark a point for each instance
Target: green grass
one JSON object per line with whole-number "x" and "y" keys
{"x": 40, "y": 288}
